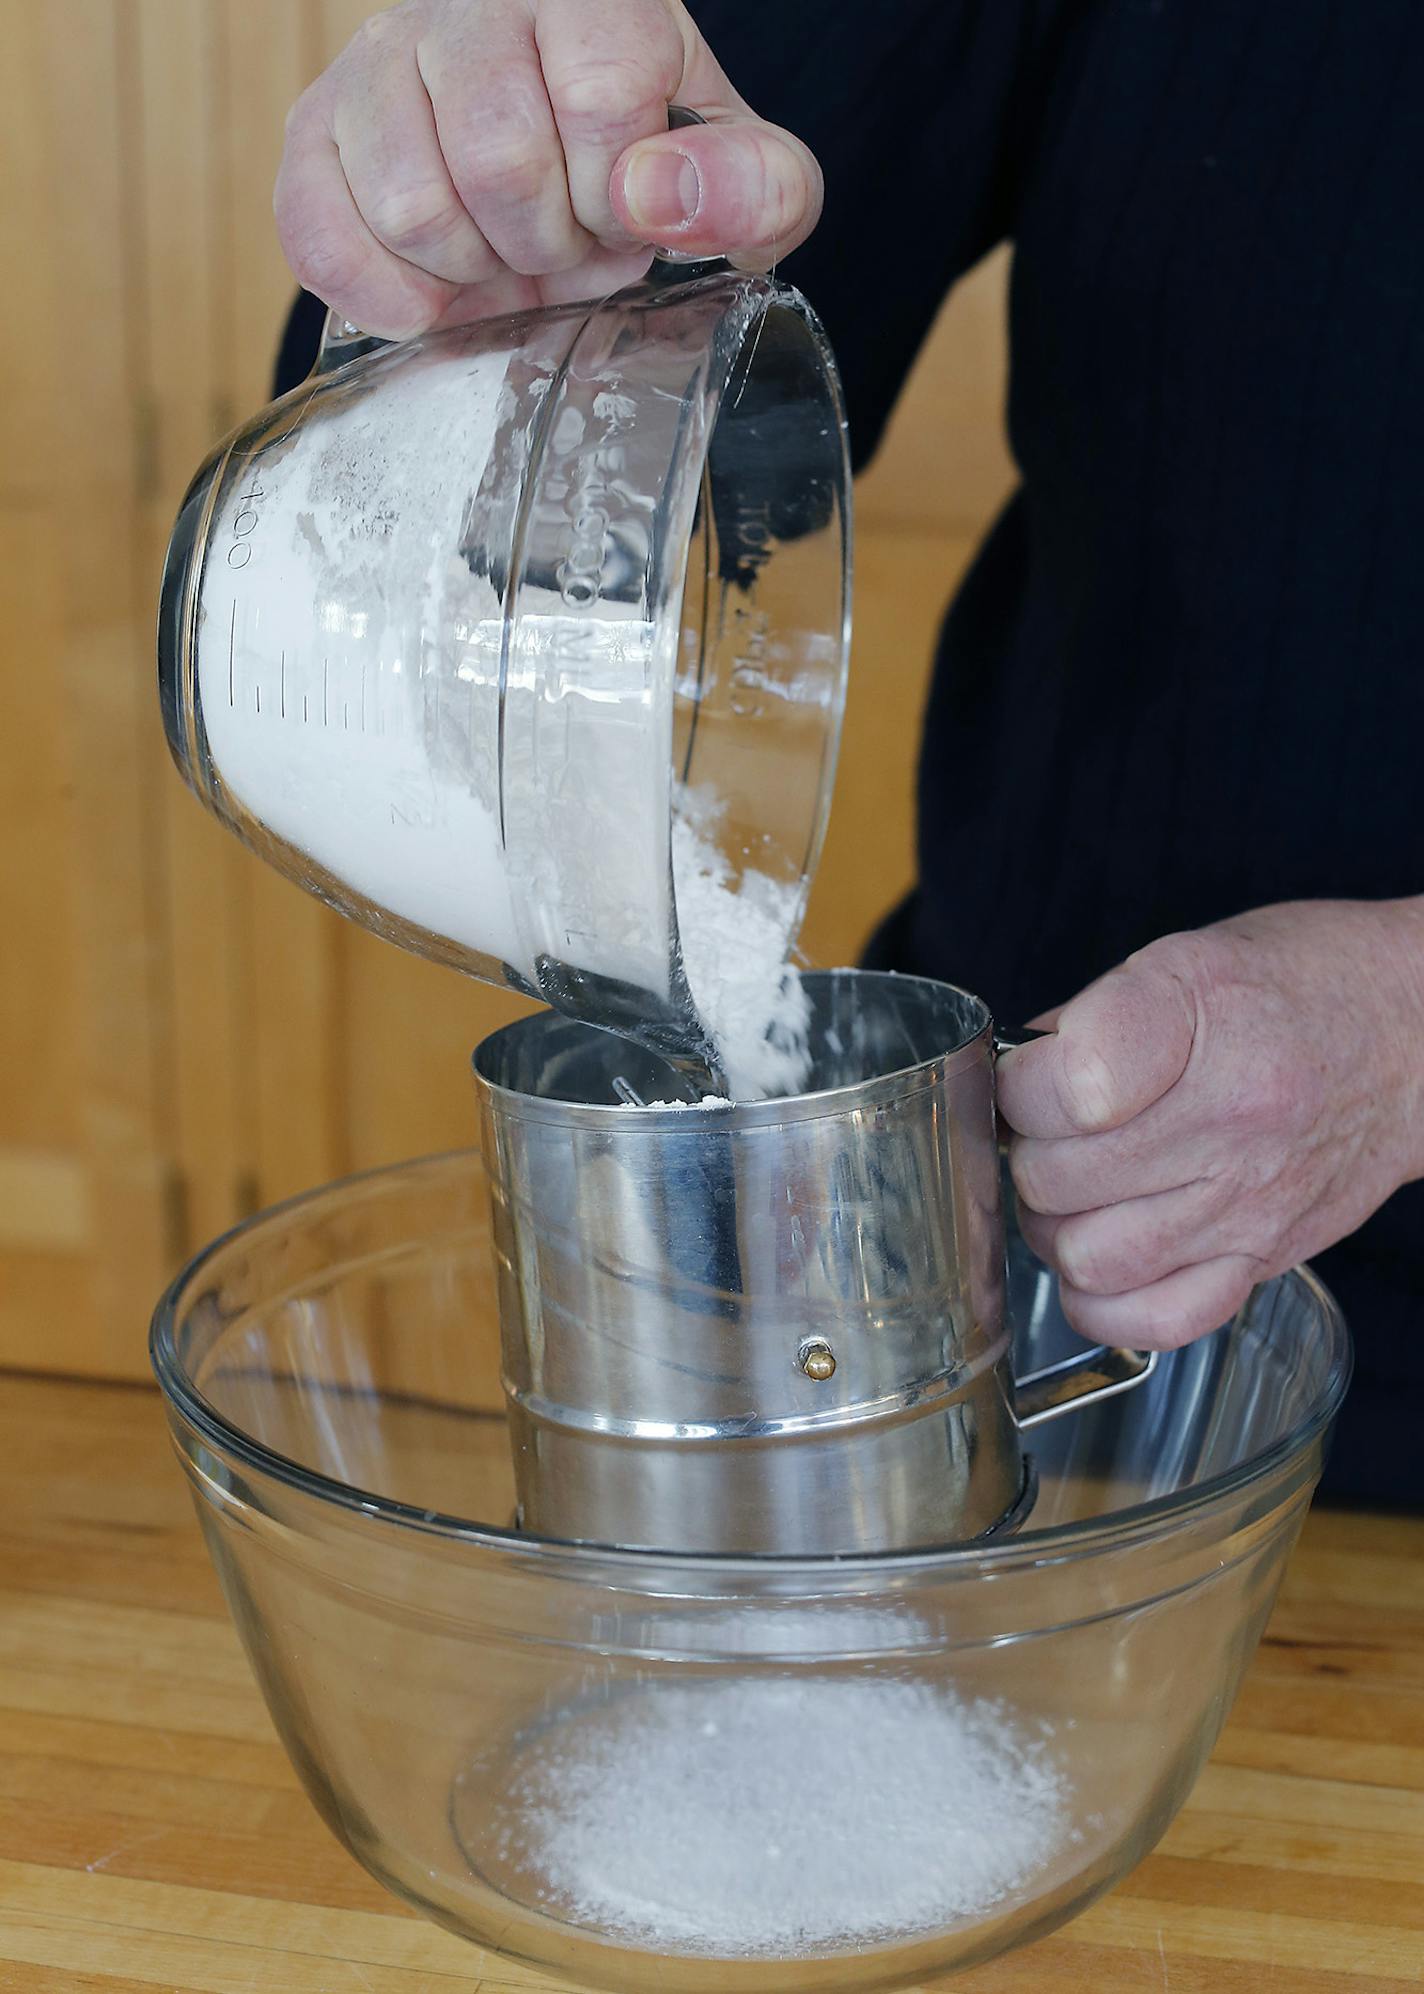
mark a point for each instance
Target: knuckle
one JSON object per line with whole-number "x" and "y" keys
{"x": 414, "y": 219}
{"x": 509, "y": 170}
{"x": 609, "y": 93}
{"x": 1164, "y": 1325}
{"x": 1037, "y": 1181}
{"x": 1171, "y": 1322}
{"x": 782, "y": 191}
{"x": 389, "y": 27}
{"x": 1200, "y": 958}
{"x": 1026, "y": 1172}
{"x": 1096, "y": 1256}
{"x": 1084, "y": 1262}
{"x": 793, "y": 189}
{"x": 302, "y": 114}
{"x": 1230, "y": 1299}
{"x": 1169, "y": 954}
{"x": 1078, "y": 1313}
{"x": 324, "y": 261}
{"x": 1036, "y": 1231}
{"x": 1211, "y": 956}
{"x": 1089, "y": 1094}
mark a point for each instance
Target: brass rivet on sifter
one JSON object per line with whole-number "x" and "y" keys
{"x": 817, "y": 1359}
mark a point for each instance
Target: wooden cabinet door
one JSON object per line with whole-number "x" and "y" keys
{"x": 88, "y": 1195}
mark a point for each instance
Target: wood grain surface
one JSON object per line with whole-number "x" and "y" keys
{"x": 153, "y": 1836}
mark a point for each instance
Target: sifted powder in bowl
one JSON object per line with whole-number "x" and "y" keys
{"x": 770, "y": 1817}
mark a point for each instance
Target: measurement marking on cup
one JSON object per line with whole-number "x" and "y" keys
{"x": 257, "y": 688}
{"x": 231, "y": 640}
{"x": 304, "y": 709}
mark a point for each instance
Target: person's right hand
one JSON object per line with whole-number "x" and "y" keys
{"x": 464, "y": 157}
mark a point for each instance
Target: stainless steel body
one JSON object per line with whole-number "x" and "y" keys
{"x": 771, "y": 1327}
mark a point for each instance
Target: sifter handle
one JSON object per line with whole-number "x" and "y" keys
{"x": 1101, "y": 1371}
{"x": 1008, "y": 1037}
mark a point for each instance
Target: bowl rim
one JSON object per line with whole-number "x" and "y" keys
{"x": 1055, "y": 1544}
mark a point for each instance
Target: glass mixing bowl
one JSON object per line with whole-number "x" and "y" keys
{"x": 706, "y": 1775}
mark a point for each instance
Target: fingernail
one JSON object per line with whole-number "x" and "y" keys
{"x": 661, "y": 188}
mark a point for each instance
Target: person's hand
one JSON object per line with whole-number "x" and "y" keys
{"x": 464, "y": 157}
{"x": 1223, "y": 1105}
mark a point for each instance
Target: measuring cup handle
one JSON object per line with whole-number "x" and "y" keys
{"x": 679, "y": 266}
{"x": 341, "y": 341}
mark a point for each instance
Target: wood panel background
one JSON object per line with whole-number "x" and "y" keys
{"x": 183, "y": 1035}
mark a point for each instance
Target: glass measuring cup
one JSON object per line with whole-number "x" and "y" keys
{"x": 499, "y": 638}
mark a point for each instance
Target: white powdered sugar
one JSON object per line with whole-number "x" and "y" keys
{"x": 769, "y": 1817}
{"x": 357, "y": 700}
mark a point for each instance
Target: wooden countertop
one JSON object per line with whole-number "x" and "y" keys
{"x": 153, "y": 1836}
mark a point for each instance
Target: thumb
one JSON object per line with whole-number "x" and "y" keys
{"x": 736, "y": 187}
{"x": 1119, "y": 1046}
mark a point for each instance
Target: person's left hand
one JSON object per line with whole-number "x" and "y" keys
{"x": 1222, "y": 1105}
